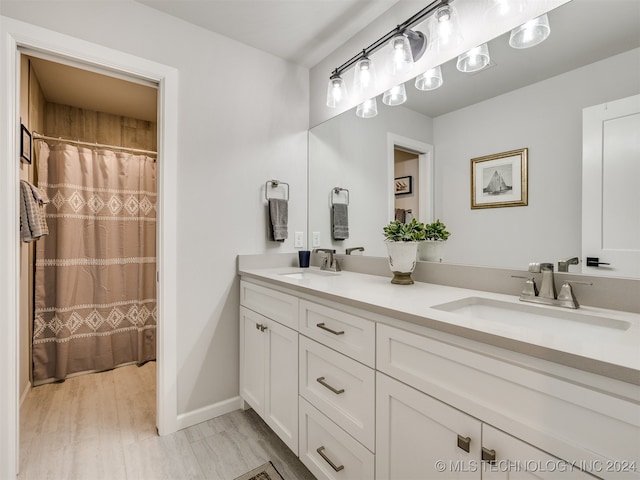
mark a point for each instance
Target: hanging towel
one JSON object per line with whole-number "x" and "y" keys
{"x": 340, "y": 221}
{"x": 401, "y": 215}
{"x": 33, "y": 224}
{"x": 278, "y": 218}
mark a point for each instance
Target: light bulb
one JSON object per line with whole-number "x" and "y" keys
{"x": 368, "y": 108}
{"x": 475, "y": 59}
{"x": 336, "y": 91}
{"x": 401, "y": 58}
{"x": 395, "y": 95}
{"x": 429, "y": 80}
{"x": 364, "y": 75}
{"x": 531, "y": 33}
{"x": 444, "y": 29}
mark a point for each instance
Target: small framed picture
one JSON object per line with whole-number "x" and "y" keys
{"x": 403, "y": 185}
{"x": 25, "y": 145}
{"x": 500, "y": 180}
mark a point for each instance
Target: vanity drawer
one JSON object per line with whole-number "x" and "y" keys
{"x": 339, "y": 387}
{"x": 329, "y": 452}
{"x": 272, "y": 304}
{"x": 569, "y": 419}
{"x": 349, "y": 334}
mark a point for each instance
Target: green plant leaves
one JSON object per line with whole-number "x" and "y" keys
{"x": 415, "y": 231}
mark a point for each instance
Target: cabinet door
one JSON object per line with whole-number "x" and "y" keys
{"x": 517, "y": 460}
{"x": 417, "y": 436}
{"x": 252, "y": 355}
{"x": 281, "y": 390}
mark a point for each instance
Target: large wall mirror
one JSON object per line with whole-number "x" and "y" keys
{"x": 532, "y": 98}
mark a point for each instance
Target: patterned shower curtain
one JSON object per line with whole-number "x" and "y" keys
{"x": 95, "y": 289}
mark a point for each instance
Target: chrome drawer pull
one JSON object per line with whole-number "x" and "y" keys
{"x": 488, "y": 455}
{"x": 326, "y": 459}
{"x": 321, "y": 381}
{"x": 321, "y": 325}
{"x": 464, "y": 443}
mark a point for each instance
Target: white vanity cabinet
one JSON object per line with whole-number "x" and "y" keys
{"x": 360, "y": 399}
{"x": 269, "y": 368}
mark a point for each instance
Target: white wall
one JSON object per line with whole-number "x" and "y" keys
{"x": 546, "y": 118}
{"x": 351, "y": 152}
{"x": 234, "y": 134}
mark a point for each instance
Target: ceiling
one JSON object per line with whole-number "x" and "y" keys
{"x": 301, "y": 31}
{"x": 68, "y": 85}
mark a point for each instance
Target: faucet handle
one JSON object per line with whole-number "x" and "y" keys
{"x": 530, "y": 287}
{"x": 566, "y": 292}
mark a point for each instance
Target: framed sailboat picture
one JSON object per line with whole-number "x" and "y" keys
{"x": 499, "y": 180}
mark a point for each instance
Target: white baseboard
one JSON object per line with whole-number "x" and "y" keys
{"x": 203, "y": 414}
{"x": 27, "y": 389}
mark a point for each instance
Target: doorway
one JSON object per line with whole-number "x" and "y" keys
{"x": 19, "y": 36}
{"x": 410, "y": 169}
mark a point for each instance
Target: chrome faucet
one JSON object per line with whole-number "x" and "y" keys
{"x": 563, "y": 265}
{"x": 354, "y": 249}
{"x": 547, "y": 294}
{"x": 329, "y": 262}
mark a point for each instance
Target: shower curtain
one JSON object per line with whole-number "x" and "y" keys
{"x": 95, "y": 289}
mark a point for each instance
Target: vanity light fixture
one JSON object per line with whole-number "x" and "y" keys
{"x": 368, "y": 108}
{"x": 407, "y": 46}
{"x": 429, "y": 80}
{"x": 364, "y": 75}
{"x": 531, "y": 33}
{"x": 395, "y": 95}
{"x": 474, "y": 60}
{"x": 336, "y": 91}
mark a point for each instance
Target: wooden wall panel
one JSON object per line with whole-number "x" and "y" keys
{"x": 97, "y": 127}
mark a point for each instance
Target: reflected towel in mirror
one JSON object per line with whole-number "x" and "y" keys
{"x": 340, "y": 221}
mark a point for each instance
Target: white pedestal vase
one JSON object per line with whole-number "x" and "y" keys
{"x": 431, "y": 250}
{"x": 402, "y": 261}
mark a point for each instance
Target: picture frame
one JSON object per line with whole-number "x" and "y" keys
{"x": 403, "y": 185}
{"x": 500, "y": 180}
{"x": 25, "y": 144}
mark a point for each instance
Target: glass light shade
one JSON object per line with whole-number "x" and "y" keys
{"x": 336, "y": 91}
{"x": 368, "y": 108}
{"x": 429, "y": 80}
{"x": 400, "y": 56}
{"x": 532, "y": 33}
{"x": 475, "y": 59}
{"x": 444, "y": 29}
{"x": 364, "y": 75}
{"x": 395, "y": 95}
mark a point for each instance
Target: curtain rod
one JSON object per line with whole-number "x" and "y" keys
{"x": 39, "y": 136}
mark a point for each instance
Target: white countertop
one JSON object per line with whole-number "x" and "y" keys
{"x": 611, "y": 352}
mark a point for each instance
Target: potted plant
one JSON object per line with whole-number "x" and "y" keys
{"x": 402, "y": 245}
{"x": 435, "y": 235}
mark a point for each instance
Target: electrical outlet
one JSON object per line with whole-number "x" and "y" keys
{"x": 316, "y": 239}
{"x": 299, "y": 240}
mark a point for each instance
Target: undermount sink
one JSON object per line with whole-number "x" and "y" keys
{"x": 306, "y": 274}
{"x": 520, "y": 314}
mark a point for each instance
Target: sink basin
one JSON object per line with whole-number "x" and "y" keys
{"x": 306, "y": 274}
{"x": 522, "y": 314}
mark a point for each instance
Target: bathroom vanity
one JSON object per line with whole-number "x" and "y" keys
{"x": 363, "y": 379}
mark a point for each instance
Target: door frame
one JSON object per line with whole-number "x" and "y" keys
{"x": 426, "y": 185}
{"x": 15, "y": 35}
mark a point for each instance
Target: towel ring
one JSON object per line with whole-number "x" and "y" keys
{"x": 274, "y": 184}
{"x": 337, "y": 191}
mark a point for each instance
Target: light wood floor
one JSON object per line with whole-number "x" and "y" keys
{"x": 102, "y": 426}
